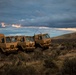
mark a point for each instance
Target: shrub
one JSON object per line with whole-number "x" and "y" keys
{"x": 51, "y": 67}
{"x": 24, "y": 56}
{"x": 69, "y": 67}
{"x": 48, "y": 63}
{"x": 21, "y": 70}
{"x": 55, "y": 54}
{"x": 38, "y": 55}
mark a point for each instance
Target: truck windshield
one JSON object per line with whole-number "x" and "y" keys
{"x": 8, "y": 40}
{"x": 13, "y": 39}
{"x": 22, "y": 39}
{"x": 46, "y": 36}
{"x": 29, "y": 39}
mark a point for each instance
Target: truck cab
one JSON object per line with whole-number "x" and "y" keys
{"x": 26, "y": 43}
{"x": 42, "y": 40}
{"x": 8, "y": 43}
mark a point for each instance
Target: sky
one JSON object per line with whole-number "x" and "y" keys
{"x": 51, "y": 13}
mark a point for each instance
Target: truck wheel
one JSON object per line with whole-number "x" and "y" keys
{"x": 37, "y": 46}
{"x": 20, "y": 48}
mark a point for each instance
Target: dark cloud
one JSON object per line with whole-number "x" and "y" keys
{"x": 53, "y": 13}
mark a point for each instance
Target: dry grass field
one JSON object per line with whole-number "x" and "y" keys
{"x": 59, "y": 59}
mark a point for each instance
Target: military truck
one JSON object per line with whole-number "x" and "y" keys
{"x": 26, "y": 43}
{"x": 42, "y": 40}
{"x": 8, "y": 43}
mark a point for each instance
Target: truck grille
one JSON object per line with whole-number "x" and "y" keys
{"x": 12, "y": 46}
{"x": 48, "y": 42}
{"x": 30, "y": 45}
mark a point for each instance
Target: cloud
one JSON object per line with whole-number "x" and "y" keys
{"x": 16, "y": 25}
{"x": 3, "y": 25}
{"x": 55, "y": 20}
{"x": 38, "y": 12}
{"x": 67, "y": 29}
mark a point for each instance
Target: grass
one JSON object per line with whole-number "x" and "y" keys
{"x": 69, "y": 67}
{"x": 41, "y": 62}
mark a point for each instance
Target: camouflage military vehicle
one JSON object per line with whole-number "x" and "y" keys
{"x": 8, "y": 43}
{"x": 42, "y": 40}
{"x": 26, "y": 43}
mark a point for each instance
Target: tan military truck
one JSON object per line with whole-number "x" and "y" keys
{"x": 26, "y": 43}
{"x": 8, "y": 43}
{"x": 42, "y": 40}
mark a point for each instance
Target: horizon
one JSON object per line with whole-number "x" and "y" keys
{"x": 15, "y": 30}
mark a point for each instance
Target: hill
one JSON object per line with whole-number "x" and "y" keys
{"x": 66, "y": 36}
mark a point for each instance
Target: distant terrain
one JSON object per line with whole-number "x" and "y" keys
{"x": 59, "y": 59}
{"x": 66, "y": 36}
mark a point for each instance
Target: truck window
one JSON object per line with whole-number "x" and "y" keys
{"x": 8, "y": 40}
{"x": 31, "y": 39}
{"x": 22, "y": 39}
{"x": 40, "y": 38}
{"x": 13, "y": 39}
{"x": 27, "y": 39}
{"x": 2, "y": 40}
{"x": 46, "y": 36}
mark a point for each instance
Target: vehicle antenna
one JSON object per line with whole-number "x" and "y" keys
{"x": 37, "y": 31}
